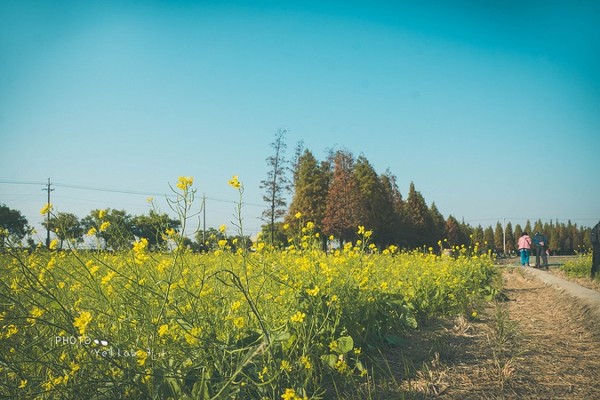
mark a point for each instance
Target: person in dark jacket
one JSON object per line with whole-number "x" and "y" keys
{"x": 541, "y": 244}
{"x": 596, "y": 250}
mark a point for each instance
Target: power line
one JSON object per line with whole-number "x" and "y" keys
{"x": 122, "y": 191}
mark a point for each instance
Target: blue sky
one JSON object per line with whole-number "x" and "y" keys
{"x": 492, "y": 110}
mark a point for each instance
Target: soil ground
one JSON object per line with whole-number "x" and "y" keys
{"x": 538, "y": 340}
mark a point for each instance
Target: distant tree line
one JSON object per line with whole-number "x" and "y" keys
{"x": 111, "y": 229}
{"x": 342, "y": 192}
{"x": 337, "y": 195}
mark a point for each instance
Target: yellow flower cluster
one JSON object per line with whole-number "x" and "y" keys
{"x": 104, "y": 226}
{"x": 139, "y": 251}
{"x": 290, "y": 394}
{"x": 234, "y": 182}
{"x": 185, "y": 182}
{"x": 82, "y": 321}
{"x": 298, "y": 317}
{"x": 46, "y": 209}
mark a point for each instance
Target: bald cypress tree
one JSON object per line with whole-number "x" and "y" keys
{"x": 343, "y": 211}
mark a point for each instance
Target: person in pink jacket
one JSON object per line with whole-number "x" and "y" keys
{"x": 524, "y": 248}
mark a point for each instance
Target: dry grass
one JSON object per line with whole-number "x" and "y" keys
{"x": 535, "y": 343}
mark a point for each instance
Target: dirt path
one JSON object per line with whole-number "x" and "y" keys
{"x": 536, "y": 342}
{"x": 559, "y": 336}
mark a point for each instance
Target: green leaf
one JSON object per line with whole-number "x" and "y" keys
{"x": 345, "y": 344}
{"x": 329, "y": 359}
{"x": 410, "y": 321}
{"x": 282, "y": 337}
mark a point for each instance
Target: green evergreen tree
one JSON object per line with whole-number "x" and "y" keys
{"x": 517, "y": 235}
{"x": 587, "y": 238}
{"x": 538, "y": 227}
{"x": 554, "y": 239}
{"x": 311, "y": 185}
{"x": 499, "y": 238}
{"x": 372, "y": 196}
{"x": 396, "y": 226}
{"x": 528, "y": 228}
{"x": 478, "y": 238}
{"x": 511, "y": 242}
{"x": 467, "y": 232}
{"x": 488, "y": 239}
{"x": 439, "y": 226}
{"x": 419, "y": 218}
{"x": 454, "y": 233}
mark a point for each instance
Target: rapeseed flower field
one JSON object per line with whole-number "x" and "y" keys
{"x": 258, "y": 323}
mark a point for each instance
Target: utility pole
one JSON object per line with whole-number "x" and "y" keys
{"x": 48, "y": 189}
{"x": 203, "y": 219}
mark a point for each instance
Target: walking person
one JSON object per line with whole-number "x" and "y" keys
{"x": 524, "y": 245}
{"x": 540, "y": 242}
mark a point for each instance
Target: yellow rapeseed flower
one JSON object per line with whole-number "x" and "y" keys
{"x": 236, "y": 305}
{"x": 36, "y": 312}
{"x": 104, "y": 226}
{"x": 141, "y": 357}
{"x": 101, "y": 214}
{"x": 239, "y": 322}
{"x": 162, "y": 331}
{"x": 107, "y": 278}
{"x": 314, "y": 291}
{"x": 53, "y": 244}
{"x": 83, "y": 321}
{"x": 285, "y": 366}
{"x": 92, "y": 231}
{"x": 10, "y": 331}
{"x": 46, "y": 209}
{"x": 184, "y": 182}
{"x": 305, "y": 361}
{"x": 192, "y": 337}
{"x": 298, "y": 317}
{"x": 234, "y": 182}
{"x": 290, "y": 394}
{"x": 298, "y": 215}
